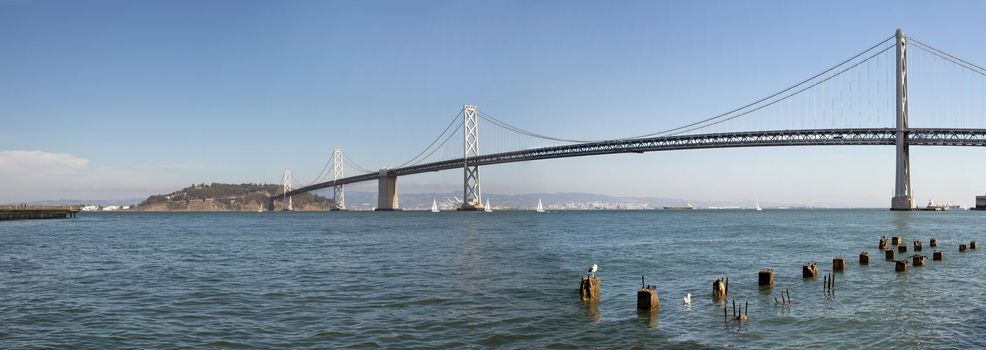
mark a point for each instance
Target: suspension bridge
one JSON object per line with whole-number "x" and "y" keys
{"x": 863, "y": 100}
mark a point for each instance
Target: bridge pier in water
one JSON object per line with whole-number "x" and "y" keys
{"x": 387, "y": 191}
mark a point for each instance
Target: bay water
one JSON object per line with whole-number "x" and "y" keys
{"x": 476, "y": 280}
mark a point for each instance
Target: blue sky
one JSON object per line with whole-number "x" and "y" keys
{"x": 122, "y": 99}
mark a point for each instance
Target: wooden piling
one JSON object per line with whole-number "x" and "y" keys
{"x": 938, "y": 256}
{"x": 891, "y": 255}
{"x": 734, "y": 308}
{"x": 883, "y": 243}
{"x": 917, "y": 246}
{"x": 902, "y": 249}
{"x": 933, "y": 242}
{"x": 864, "y": 258}
{"x": 963, "y": 247}
{"x": 973, "y": 245}
{"x": 839, "y": 264}
{"x": 901, "y": 266}
{"x": 741, "y": 316}
{"x": 830, "y": 283}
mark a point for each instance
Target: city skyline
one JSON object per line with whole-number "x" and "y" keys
{"x": 146, "y": 98}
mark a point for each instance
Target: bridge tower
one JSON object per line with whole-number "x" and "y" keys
{"x": 338, "y": 192}
{"x": 286, "y": 183}
{"x": 472, "y": 194}
{"x": 902, "y": 191}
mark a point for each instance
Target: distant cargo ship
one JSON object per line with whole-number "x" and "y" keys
{"x": 940, "y": 206}
{"x": 682, "y": 207}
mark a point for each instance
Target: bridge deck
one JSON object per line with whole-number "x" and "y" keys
{"x": 814, "y": 137}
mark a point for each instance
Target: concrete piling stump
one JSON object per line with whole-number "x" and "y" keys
{"x": 809, "y": 270}
{"x": 901, "y": 266}
{"x": 647, "y": 299}
{"x": 838, "y": 264}
{"x": 933, "y": 242}
{"x": 891, "y": 255}
{"x": 973, "y": 245}
{"x": 917, "y": 260}
{"x": 589, "y": 289}
{"x": 963, "y": 247}
{"x": 766, "y": 278}
{"x": 864, "y": 258}
{"x": 902, "y": 249}
{"x": 883, "y": 243}
{"x": 719, "y": 289}
{"x": 896, "y": 240}
{"x": 917, "y": 246}
{"x": 938, "y": 256}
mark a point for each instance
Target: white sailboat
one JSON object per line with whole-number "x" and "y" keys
{"x": 540, "y": 208}
{"x": 434, "y": 206}
{"x": 488, "y": 208}
{"x": 758, "y": 206}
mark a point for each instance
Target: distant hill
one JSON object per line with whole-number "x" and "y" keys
{"x": 228, "y": 197}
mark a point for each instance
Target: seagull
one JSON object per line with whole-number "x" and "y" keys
{"x": 688, "y": 299}
{"x": 593, "y": 269}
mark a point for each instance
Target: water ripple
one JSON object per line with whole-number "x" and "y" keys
{"x": 456, "y": 280}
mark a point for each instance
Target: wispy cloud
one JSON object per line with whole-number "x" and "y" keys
{"x": 38, "y": 175}
{"x": 19, "y": 161}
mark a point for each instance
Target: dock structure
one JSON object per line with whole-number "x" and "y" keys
{"x": 27, "y": 212}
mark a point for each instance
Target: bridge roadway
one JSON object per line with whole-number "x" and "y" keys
{"x": 812, "y": 137}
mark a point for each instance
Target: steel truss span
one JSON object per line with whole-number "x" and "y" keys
{"x": 814, "y": 137}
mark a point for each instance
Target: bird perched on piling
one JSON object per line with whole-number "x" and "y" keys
{"x": 688, "y": 299}
{"x": 593, "y": 269}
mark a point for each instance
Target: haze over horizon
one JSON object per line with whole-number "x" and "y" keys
{"x": 122, "y": 99}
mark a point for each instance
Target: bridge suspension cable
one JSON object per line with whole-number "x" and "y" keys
{"x": 507, "y": 126}
{"x": 353, "y": 165}
{"x": 946, "y": 56}
{"x": 322, "y": 174}
{"x": 952, "y": 90}
{"x": 745, "y": 109}
{"x": 717, "y": 121}
{"x": 773, "y": 99}
{"x": 433, "y": 142}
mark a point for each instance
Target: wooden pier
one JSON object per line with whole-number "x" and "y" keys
{"x": 27, "y": 212}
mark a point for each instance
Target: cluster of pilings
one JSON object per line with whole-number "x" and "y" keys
{"x": 902, "y": 265}
{"x": 648, "y": 301}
